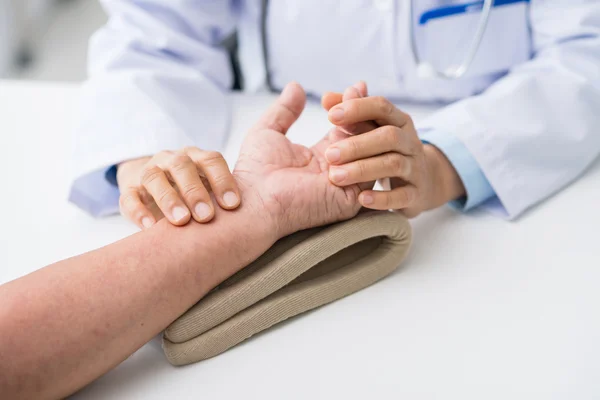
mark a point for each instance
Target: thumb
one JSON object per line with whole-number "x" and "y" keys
{"x": 285, "y": 111}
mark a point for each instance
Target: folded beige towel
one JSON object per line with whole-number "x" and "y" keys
{"x": 300, "y": 272}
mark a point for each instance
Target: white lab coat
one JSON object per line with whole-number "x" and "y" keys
{"x": 528, "y": 111}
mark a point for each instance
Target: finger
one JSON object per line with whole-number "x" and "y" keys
{"x": 330, "y": 99}
{"x": 192, "y": 189}
{"x": 397, "y": 199}
{"x": 361, "y": 86}
{"x": 217, "y": 172}
{"x": 134, "y": 210}
{"x": 351, "y": 93}
{"x": 381, "y": 140}
{"x": 378, "y": 109}
{"x": 285, "y": 111}
{"x": 354, "y": 92}
{"x": 371, "y": 169}
{"x": 184, "y": 172}
{"x": 166, "y": 197}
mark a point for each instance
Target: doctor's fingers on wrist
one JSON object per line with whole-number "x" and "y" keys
{"x": 378, "y": 109}
{"x": 133, "y": 208}
{"x": 216, "y": 170}
{"x": 381, "y": 140}
{"x": 155, "y": 181}
{"x": 184, "y": 167}
{"x": 371, "y": 169}
{"x": 397, "y": 199}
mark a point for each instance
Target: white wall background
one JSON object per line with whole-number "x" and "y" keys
{"x": 57, "y": 32}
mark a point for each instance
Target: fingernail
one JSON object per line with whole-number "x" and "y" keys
{"x": 230, "y": 199}
{"x": 147, "y": 222}
{"x": 367, "y": 199}
{"x": 338, "y": 174}
{"x": 203, "y": 210}
{"x": 337, "y": 114}
{"x": 357, "y": 92}
{"x": 333, "y": 155}
{"x": 179, "y": 213}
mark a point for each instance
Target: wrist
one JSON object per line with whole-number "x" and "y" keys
{"x": 258, "y": 210}
{"x": 236, "y": 237}
{"x": 446, "y": 183}
{"x": 260, "y": 200}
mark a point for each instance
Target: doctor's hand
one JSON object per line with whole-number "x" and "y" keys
{"x": 176, "y": 185}
{"x": 384, "y": 144}
{"x": 287, "y": 182}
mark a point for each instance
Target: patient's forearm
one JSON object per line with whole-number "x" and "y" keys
{"x": 66, "y": 324}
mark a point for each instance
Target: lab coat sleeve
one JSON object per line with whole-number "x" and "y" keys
{"x": 536, "y": 130}
{"x": 158, "y": 81}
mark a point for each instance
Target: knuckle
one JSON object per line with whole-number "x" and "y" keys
{"x": 193, "y": 190}
{"x": 391, "y": 135}
{"x": 361, "y": 168}
{"x": 393, "y": 161}
{"x": 166, "y": 196}
{"x": 213, "y": 156}
{"x": 190, "y": 149}
{"x": 353, "y": 147}
{"x": 384, "y": 105}
{"x": 179, "y": 161}
{"x": 150, "y": 173}
{"x": 223, "y": 179}
{"x": 213, "y": 159}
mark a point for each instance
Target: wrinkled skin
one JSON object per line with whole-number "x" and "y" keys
{"x": 288, "y": 180}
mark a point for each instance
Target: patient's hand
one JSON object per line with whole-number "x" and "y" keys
{"x": 292, "y": 181}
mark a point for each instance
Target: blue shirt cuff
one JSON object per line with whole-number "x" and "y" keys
{"x": 477, "y": 186}
{"x": 96, "y": 192}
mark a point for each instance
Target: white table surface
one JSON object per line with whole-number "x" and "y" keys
{"x": 482, "y": 308}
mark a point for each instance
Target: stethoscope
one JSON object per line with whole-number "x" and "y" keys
{"x": 425, "y": 70}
